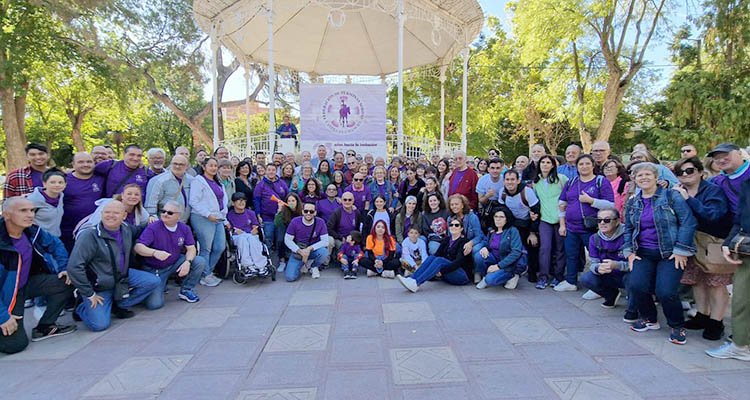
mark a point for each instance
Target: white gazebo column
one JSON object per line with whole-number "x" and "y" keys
{"x": 247, "y": 110}
{"x": 442, "y": 109}
{"x": 465, "y": 95}
{"x": 215, "y": 85}
{"x": 271, "y": 82}
{"x": 400, "y": 124}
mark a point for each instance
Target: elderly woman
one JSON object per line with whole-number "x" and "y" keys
{"x": 659, "y": 230}
{"x": 380, "y": 186}
{"x": 711, "y": 210}
{"x": 665, "y": 178}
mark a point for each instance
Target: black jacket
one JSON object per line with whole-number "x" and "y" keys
{"x": 455, "y": 254}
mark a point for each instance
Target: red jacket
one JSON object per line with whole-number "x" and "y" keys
{"x": 467, "y": 187}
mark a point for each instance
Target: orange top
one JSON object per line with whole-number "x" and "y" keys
{"x": 376, "y": 246}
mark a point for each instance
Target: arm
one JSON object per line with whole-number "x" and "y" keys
{"x": 197, "y": 202}
{"x": 476, "y": 228}
{"x": 516, "y": 250}
{"x": 84, "y": 250}
{"x": 324, "y": 239}
{"x": 606, "y": 195}
{"x": 713, "y": 207}
{"x": 289, "y": 242}
{"x": 684, "y": 245}
{"x": 54, "y": 247}
{"x": 5, "y": 308}
{"x": 153, "y": 190}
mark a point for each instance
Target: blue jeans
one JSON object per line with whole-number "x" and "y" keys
{"x": 574, "y": 251}
{"x": 432, "y": 265}
{"x": 269, "y": 230}
{"x": 98, "y": 319}
{"x": 478, "y": 260}
{"x": 156, "y": 299}
{"x": 318, "y": 257}
{"x": 609, "y": 285}
{"x": 654, "y": 274}
{"x": 498, "y": 277}
{"x": 211, "y": 238}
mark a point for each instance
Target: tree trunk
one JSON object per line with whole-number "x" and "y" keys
{"x": 15, "y": 140}
{"x": 613, "y": 96}
{"x": 76, "y": 121}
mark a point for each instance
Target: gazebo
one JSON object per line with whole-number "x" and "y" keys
{"x": 343, "y": 37}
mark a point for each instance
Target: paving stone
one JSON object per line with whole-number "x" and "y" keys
{"x": 227, "y": 299}
{"x": 406, "y": 334}
{"x": 285, "y": 370}
{"x": 178, "y": 342}
{"x": 359, "y": 305}
{"x": 346, "y": 385}
{"x": 261, "y": 305}
{"x": 425, "y": 365}
{"x": 528, "y": 330}
{"x": 482, "y": 347}
{"x": 61, "y": 385}
{"x": 148, "y": 375}
{"x": 326, "y": 282}
{"x": 506, "y": 308}
{"x": 560, "y": 359}
{"x": 352, "y": 325}
{"x": 647, "y": 375}
{"x": 302, "y": 315}
{"x": 437, "y": 393}
{"x": 136, "y": 330}
{"x": 116, "y": 353}
{"x": 734, "y": 384}
{"x": 404, "y": 312}
{"x": 313, "y": 298}
{"x": 298, "y": 338}
{"x": 508, "y": 380}
{"x": 279, "y": 394}
{"x": 604, "y": 341}
{"x": 248, "y": 327}
{"x": 467, "y": 321}
{"x": 357, "y": 351}
{"x": 690, "y": 358}
{"x": 197, "y": 386}
{"x": 491, "y": 293}
{"x": 17, "y": 373}
{"x": 568, "y": 317}
{"x": 591, "y": 388}
{"x": 57, "y": 348}
{"x": 203, "y": 318}
{"x": 225, "y": 355}
{"x": 385, "y": 283}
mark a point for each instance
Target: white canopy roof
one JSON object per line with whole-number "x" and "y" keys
{"x": 342, "y": 37}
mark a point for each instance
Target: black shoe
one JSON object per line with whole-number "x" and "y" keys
{"x": 630, "y": 317}
{"x": 700, "y": 321}
{"x": 122, "y": 313}
{"x": 714, "y": 330}
{"x": 38, "y": 334}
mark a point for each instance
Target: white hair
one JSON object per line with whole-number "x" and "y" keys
{"x": 152, "y": 151}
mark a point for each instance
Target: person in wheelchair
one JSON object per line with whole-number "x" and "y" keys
{"x": 245, "y": 229}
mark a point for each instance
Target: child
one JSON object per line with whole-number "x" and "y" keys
{"x": 413, "y": 250}
{"x": 350, "y": 254}
{"x": 244, "y": 228}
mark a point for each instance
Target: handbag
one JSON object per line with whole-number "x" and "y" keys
{"x": 709, "y": 257}
{"x": 740, "y": 244}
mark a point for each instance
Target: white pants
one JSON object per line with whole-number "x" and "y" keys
{"x": 250, "y": 251}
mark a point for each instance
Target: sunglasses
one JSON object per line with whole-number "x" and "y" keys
{"x": 604, "y": 220}
{"x": 358, "y": 180}
{"x": 308, "y": 211}
{"x": 347, "y": 199}
{"x": 350, "y": 154}
{"x": 686, "y": 150}
{"x": 168, "y": 212}
{"x": 455, "y": 225}
{"x": 352, "y": 162}
{"x": 687, "y": 171}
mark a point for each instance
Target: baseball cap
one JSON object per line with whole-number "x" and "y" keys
{"x": 723, "y": 148}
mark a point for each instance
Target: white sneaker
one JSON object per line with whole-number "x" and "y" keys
{"x": 282, "y": 266}
{"x": 685, "y": 305}
{"x": 591, "y": 295}
{"x": 477, "y": 277}
{"x": 564, "y": 286}
{"x": 512, "y": 282}
{"x": 409, "y": 283}
{"x": 388, "y": 274}
{"x": 482, "y": 284}
{"x": 315, "y": 272}
{"x": 371, "y": 273}
{"x": 730, "y": 350}
{"x": 210, "y": 280}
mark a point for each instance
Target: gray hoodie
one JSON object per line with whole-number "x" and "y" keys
{"x": 47, "y": 217}
{"x": 602, "y": 248}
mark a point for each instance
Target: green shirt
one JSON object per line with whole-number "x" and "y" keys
{"x": 549, "y": 197}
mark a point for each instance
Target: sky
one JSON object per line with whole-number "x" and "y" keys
{"x": 657, "y": 54}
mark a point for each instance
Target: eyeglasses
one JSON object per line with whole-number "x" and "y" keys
{"x": 332, "y": 190}
{"x": 686, "y": 150}
{"x": 687, "y": 171}
{"x": 308, "y": 211}
{"x": 352, "y": 162}
{"x": 455, "y": 225}
{"x": 358, "y": 179}
{"x": 168, "y": 212}
{"x": 347, "y": 199}
{"x": 604, "y": 220}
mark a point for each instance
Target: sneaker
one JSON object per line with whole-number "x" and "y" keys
{"x": 282, "y": 266}
{"x": 512, "y": 282}
{"x": 210, "y": 280}
{"x": 630, "y": 317}
{"x": 304, "y": 269}
{"x": 730, "y": 350}
{"x": 591, "y": 295}
{"x": 51, "y": 331}
{"x": 685, "y": 305}
{"x": 642, "y": 326}
{"x": 315, "y": 272}
{"x": 388, "y": 274}
{"x": 554, "y": 282}
{"x": 477, "y": 277}
{"x": 565, "y": 286}
{"x": 482, "y": 284}
{"x": 678, "y": 336}
{"x": 611, "y": 303}
{"x": 353, "y": 274}
{"x": 409, "y": 283}
{"x": 347, "y": 275}
{"x": 188, "y": 295}
{"x": 714, "y": 330}
{"x": 371, "y": 273}
{"x": 541, "y": 284}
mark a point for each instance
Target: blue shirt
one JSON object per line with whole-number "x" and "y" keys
{"x": 485, "y": 184}
{"x": 568, "y": 170}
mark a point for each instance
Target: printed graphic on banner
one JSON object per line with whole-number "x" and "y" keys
{"x": 343, "y": 117}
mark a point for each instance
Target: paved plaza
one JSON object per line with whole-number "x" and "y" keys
{"x": 369, "y": 339}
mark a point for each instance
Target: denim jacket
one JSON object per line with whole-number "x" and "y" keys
{"x": 675, "y": 224}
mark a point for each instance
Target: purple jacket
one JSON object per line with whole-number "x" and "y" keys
{"x": 607, "y": 248}
{"x": 264, "y": 206}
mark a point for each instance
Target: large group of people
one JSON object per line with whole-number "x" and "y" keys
{"x": 109, "y": 234}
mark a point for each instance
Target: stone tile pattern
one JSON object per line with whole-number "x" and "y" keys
{"x": 370, "y": 339}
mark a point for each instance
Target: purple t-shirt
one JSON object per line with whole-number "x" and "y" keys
{"x": 731, "y": 186}
{"x": 245, "y": 221}
{"x": 360, "y": 197}
{"x": 456, "y": 180}
{"x": 347, "y": 223}
{"x": 114, "y": 173}
{"x": 350, "y": 251}
{"x": 117, "y": 235}
{"x": 23, "y": 247}
{"x": 80, "y": 196}
{"x": 326, "y": 208}
{"x": 570, "y": 192}
{"x": 218, "y": 191}
{"x": 130, "y": 218}
{"x": 494, "y": 245}
{"x": 53, "y": 201}
{"x": 647, "y": 237}
{"x": 304, "y": 234}
{"x": 158, "y": 237}
{"x": 36, "y": 178}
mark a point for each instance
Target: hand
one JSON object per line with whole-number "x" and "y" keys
{"x": 355, "y": 263}
{"x": 662, "y": 183}
{"x": 390, "y": 210}
{"x": 11, "y": 325}
{"x": 161, "y": 255}
{"x": 493, "y": 268}
{"x": 631, "y": 260}
{"x": 237, "y": 231}
{"x": 534, "y": 216}
{"x": 344, "y": 261}
{"x": 490, "y": 193}
{"x": 212, "y": 218}
{"x": 254, "y": 231}
{"x": 585, "y": 198}
{"x": 183, "y": 269}
{"x": 681, "y": 190}
{"x": 280, "y": 207}
{"x": 484, "y": 252}
{"x": 728, "y": 256}
{"x": 152, "y": 219}
{"x": 606, "y": 267}
{"x": 64, "y": 274}
{"x": 96, "y": 300}
{"x": 562, "y": 230}
{"x": 679, "y": 261}
{"x": 467, "y": 248}
{"x": 378, "y": 263}
{"x": 533, "y": 241}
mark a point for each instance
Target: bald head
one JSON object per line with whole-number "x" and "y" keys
{"x": 18, "y": 213}
{"x": 83, "y": 165}
{"x": 99, "y": 153}
{"x": 113, "y": 214}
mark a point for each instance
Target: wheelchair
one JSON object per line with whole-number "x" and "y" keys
{"x": 229, "y": 263}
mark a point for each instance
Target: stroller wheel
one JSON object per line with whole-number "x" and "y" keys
{"x": 239, "y": 278}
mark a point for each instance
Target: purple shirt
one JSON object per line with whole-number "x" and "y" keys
{"x": 245, "y": 221}
{"x": 80, "y": 196}
{"x": 158, "y": 237}
{"x": 218, "y": 191}
{"x": 23, "y": 247}
{"x": 303, "y": 234}
{"x": 53, "y": 201}
{"x": 731, "y": 185}
{"x": 115, "y": 172}
{"x": 350, "y": 251}
{"x": 647, "y": 237}
{"x": 347, "y": 223}
{"x": 326, "y": 208}
{"x": 456, "y": 180}
{"x": 360, "y": 197}
{"x": 117, "y": 235}
{"x": 36, "y": 178}
{"x": 570, "y": 192}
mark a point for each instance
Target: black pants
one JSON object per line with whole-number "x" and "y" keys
{"x": 54, "y": 290}
{"x": 533, "y": 252}
{"x": 391, "y": 264}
